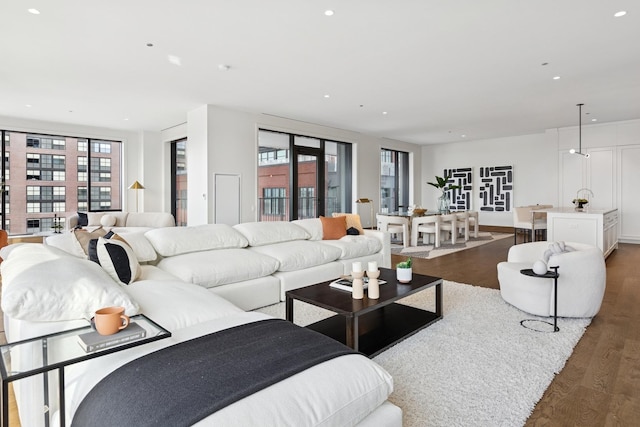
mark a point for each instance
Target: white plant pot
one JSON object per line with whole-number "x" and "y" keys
{"x": 403, "y": 275}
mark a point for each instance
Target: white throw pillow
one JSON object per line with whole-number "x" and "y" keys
{"x": 94, "y": 218}
{"x": 118, "y": 259}
{"x": 171, "y": 241}
{"x": 108, "y": 221}
{"x": 266, "y": 233}
{"x": 43, "y": 284}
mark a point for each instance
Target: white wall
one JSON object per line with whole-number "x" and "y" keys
{"x": 534, "y": 161}
{"x": 223, "y": 141}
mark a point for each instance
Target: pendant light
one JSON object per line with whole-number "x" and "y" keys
{"x": 573, "y": 150}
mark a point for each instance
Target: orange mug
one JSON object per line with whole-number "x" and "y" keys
{"x": 110, "y": 320}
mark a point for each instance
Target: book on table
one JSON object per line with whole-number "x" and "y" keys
{"x": 346, "y": 283}
{"x": 92, "y": 341}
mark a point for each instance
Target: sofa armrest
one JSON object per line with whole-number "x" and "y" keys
{"x": 72, "y": 221}
{"x": 385, "y": 238}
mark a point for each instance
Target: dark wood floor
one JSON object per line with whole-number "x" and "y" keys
{"x": 600, "y": 384}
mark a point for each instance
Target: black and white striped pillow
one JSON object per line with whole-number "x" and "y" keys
{"x": 118, "y": 259}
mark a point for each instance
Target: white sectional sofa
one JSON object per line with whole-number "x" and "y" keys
{"x": 250, "y": 264}
{"x": 199, "y": 280}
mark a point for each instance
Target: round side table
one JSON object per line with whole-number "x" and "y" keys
{"x": 548, "y": 275}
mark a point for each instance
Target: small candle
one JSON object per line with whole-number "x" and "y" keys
{"x": 373, "y": 266}
{"x": 356, "y": 267}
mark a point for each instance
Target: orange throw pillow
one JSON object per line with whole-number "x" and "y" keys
{"x": 333, "y": 228}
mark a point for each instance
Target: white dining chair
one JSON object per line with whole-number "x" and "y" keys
{"x": 462, "y": 223}
{"x": 473, "y": 222}
{"x": 448, "y": 224}
{"x": 395, "y": 225}
{"x": 427, "y": 225}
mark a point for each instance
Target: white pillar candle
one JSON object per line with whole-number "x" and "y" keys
{"x": 356, "y": 267}
{"x": 373, "y": 266}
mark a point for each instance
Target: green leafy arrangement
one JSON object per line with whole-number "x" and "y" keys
{"x": 441, "y": 183}
{"x": 404, "y": 264}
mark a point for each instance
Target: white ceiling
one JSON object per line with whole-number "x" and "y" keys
{"x": 440, "y": 69}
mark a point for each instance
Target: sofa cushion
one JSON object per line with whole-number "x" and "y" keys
{"x": 266, "y": 233}
{"x": 333, "y": 228}
{"x": 353, "y": 221}
{"x": 42, "y": 283}
{"x": 299, "y": 254}
{"x": 313, "y": 226}
{"x": 117, "y": 259}
{"x": 219, "y": 267}
{"x": 355, "y": 246}
{"x": 150, "y": 219}
{"x": 172, "y": 241}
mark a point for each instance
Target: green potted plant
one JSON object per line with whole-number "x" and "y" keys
{"x": 443, "y": 185}
{"x": 404, "y": 271}
{"x": 580, "y": 203}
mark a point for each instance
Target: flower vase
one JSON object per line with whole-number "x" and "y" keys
{"x": 443, "y": 203}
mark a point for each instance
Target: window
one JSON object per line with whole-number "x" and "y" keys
{"x": 179, "y": 181}
{"x": 44, "y": 184}
{"x": 274, "y": 201}
{"x": 394, "y": 180}
{"x": 318, "y": 169}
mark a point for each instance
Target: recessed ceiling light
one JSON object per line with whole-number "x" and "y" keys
{"x": 619, "y": 14}
{"x": 463, "y": 136}
{"x": 384, "y": 113}
{"x": 175, "y": 60}
{"x": 545, "y": 63}
{"x": 28, "y": 105}
{"x": 329, "y": 12}
{"x": 556, "y": 78}
{"x": 149, "y": 44}
{"x": 126, "y": 119}
{"x": 33, "y": 11}
{"x": 223, "y": 67}
{"x": 594, "y": 120}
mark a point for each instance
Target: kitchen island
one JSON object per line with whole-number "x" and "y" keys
{"x": 591, "y": 226}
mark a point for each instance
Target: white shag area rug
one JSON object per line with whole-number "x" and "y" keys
{"x": 429, "y": 251}
{"x": 476, "y": 367}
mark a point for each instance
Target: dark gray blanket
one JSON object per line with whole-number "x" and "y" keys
{"x": 184, "y": 383}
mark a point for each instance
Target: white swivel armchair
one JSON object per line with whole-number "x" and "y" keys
{"x": 395, "y": 225}
{"x": 581, "y": 282}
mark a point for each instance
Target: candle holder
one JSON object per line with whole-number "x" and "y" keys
{"x": 357, "y": 287}
{"x": 374, "y": 286}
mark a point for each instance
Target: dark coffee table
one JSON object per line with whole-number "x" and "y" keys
{"x": 370, "y": 326}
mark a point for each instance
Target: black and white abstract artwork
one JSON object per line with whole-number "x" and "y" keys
{"x": 462, "y": 198}
{"x": 496, "y": 188}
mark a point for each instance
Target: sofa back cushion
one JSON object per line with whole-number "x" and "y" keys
{"x": 313, "y": 226}
{"x": 150, "y": 219}
{"x": 267, "y": 233}
{"x": 171, "y": 241}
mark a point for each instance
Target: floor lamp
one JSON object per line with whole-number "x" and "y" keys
{"x": 136, "y": 186}
{"x": 365, "y": 200}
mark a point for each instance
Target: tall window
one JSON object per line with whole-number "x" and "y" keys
{"x": 394, "y": 180}
{"x": 179, "y": 181}
{"x": 51, "y": 177}
{"x": 301, "y": 176}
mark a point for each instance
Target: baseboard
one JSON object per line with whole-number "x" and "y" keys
{"x": 496, "y": 229}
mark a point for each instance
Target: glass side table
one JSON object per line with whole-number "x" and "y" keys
{"x": 57, "y": 351}
{"x": 548, "y": 275}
